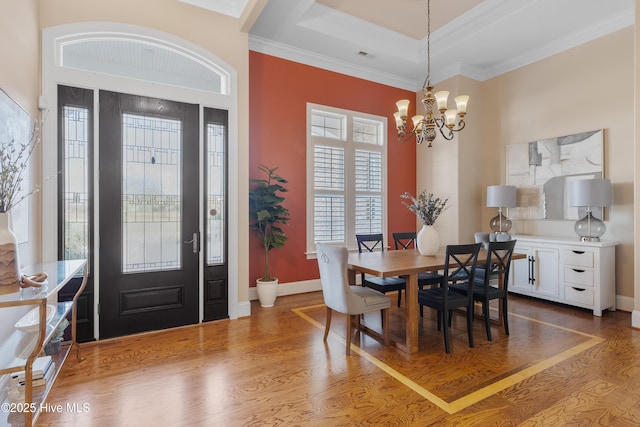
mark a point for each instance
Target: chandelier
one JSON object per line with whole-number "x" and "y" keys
{"x": 444, "y": 120}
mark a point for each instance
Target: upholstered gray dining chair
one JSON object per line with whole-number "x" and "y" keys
{"x": 350, "y": 300}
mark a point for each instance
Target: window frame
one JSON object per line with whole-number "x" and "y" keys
{"x": 350, "y": 148}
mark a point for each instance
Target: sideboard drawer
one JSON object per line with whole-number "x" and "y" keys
{"x": 582, "y": 296}
{"x": 573, "y": 276}
{"x": 578, "y": 257}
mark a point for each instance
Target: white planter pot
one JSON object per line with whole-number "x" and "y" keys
{"x": 428, "y": 240}
{"x": 9, "y": 264}
{"x": 267, "y": 292}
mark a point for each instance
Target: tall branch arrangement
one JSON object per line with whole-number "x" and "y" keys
{"x": 426, "y": 206}
{"x": 14, "y": 162}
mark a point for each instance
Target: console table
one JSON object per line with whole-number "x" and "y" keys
{"x": 21, "y": 348}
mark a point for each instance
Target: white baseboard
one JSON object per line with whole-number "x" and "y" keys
{"x": 624, "y": 303}
{"x": 635, "y": 319}
{"x": 244, "y": 309}
{"x": 291, "y": 288}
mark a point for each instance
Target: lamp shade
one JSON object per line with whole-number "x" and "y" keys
{"x": 590, "y": 192}
{"x": 501, "y": 196}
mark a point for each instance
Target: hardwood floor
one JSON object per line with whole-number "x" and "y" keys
{"x": 559, "y": 366}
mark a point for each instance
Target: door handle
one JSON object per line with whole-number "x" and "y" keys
{"x": 533, "y": 270}
{"x": 195, "y": 242}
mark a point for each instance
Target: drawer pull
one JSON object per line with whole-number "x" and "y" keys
{"x": 578, "y": 289}
{"x": 578, "y": 271}
{"x": 578, "y": 252}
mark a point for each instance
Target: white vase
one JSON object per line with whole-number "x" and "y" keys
{"x": 428, "y": 240}
{"x": 9, "y": 264}
{"x": 267, "y": 292}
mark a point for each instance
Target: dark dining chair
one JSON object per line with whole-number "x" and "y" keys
{"x": 370, "y": 243}
{"x": 350, "y": 300}
{"x": 460, "y": 265}
{"x": 407, "y": 240}
{"x": 493, "y": 283}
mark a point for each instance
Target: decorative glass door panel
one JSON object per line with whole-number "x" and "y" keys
{"x": 216, "y": 194}
{"x": 151, "y": 193}
{"x": 75, "y": 193}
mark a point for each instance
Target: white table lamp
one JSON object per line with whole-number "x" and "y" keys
{"x": 501, "y": 196}
{"x": 590, "y": 193}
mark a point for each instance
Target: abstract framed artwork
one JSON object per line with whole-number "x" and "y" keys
{"x": 541, "y": 171}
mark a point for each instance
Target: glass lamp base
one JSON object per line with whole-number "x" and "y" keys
{"x": 589, "y": 228}
{"x": 500, "y": 224}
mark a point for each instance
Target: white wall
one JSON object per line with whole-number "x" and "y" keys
{"x": 586, "y": 88}
{"x": 635, "y": 319}
{"x": 19, "y": 78}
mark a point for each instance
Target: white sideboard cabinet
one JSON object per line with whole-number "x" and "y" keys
{"x": 567, "y": 271}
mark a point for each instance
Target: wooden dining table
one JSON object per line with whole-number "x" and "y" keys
{"x": 407, "y": 264}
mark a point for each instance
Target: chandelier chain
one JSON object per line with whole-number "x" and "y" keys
{"x": 427, "y": 80}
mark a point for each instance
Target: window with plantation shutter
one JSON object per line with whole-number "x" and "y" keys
{"x": 346, "y": 175}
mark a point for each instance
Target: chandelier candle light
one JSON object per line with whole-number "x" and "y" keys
{"x": 424, "y": 127}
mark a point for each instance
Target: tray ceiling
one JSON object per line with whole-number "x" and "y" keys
{"x": 385, "y": 41}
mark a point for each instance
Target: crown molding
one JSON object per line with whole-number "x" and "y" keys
{"x": 232, "y": 8}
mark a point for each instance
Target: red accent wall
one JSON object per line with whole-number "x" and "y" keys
{"x": 278, "y": 93}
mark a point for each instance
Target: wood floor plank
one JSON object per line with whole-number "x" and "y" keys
{"x": 559, "y": 364}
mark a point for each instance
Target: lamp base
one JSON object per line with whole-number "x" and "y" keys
{"x": 589, "y": 228}
{"x": 500, "y": 224}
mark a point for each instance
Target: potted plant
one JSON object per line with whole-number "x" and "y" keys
{"x": 427, "y": 208}
{"x": 267, "y": 215}
{"x": 53, "y": 346}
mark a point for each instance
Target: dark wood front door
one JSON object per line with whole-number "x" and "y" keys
{"x": 148, "y": 214}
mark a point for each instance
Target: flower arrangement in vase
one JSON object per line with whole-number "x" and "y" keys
{"x": 427, "y": 208}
